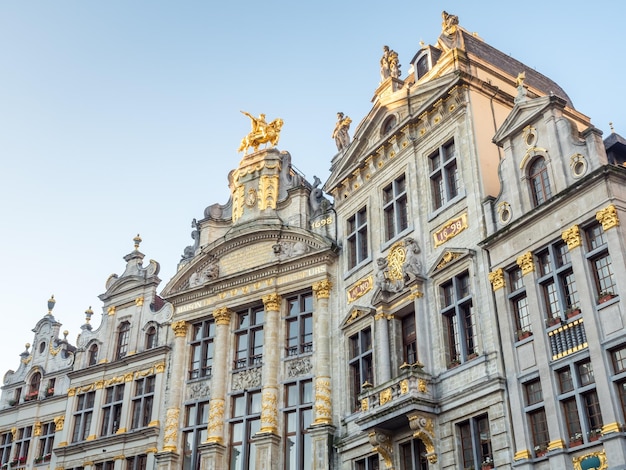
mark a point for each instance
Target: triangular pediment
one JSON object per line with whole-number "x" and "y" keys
{"x": 356, "y": 314}
{"x": 523, "y": 114}
{"x": 447, "y": 259}
{"x": 422, "y": 98}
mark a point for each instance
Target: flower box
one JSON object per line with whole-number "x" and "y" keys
{"x": 605, "y": 297}
{"x": 553, "y": 321}
{"x": 572, "y": 312}
{"x": 576, "y": 443}
{"x": 523, "y": 334}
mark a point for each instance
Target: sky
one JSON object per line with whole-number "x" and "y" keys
{"x": 122, "y": 117}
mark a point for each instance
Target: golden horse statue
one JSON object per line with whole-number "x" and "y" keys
{"x": 262, "y": 133}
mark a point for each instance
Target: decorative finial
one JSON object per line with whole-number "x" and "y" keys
{"x": 88, "y": 314}
{"x": 422, "y": 43}
{"x": 611, "y": 126}
{"x": 137, "y": 241}
{"x": 65, "y": 333}
{"x": 51, "y": 303}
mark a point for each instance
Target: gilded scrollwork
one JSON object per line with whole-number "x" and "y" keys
{"x": 383, "y": 445}
{"x": 171, "y": 430}
{"x": 268, "y": 190}
{"x": 216, "y": 420}
{"x": 423, "y": 428}
{"x": 269, "y": 411}
{"x": 323, "y": 402}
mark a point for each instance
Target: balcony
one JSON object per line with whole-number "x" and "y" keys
{"x": 387, "y": 404}
{"x": 567, "y": 339}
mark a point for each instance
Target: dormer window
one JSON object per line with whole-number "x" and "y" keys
{"x": 93, "y": 355}
{"x": 422, "y": 66}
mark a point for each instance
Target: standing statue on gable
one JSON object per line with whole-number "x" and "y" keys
{"x": 340, "y": 133}
{"x": 389, "y": 64}
{"x": 412, "y": 266}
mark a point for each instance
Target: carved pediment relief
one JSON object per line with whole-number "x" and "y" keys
{"x": 356, "y": 313}
{"x": 448, "y": 258}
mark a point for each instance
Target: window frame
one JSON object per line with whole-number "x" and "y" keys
{"x": 112, "y": 409}
{"x": 299, "y": 325}
{"x": 357, "y": 238}
{"x": 194, "y": 433}
{"x": 302, "y": 410}
{"x": 539, "y": 181}
{"x": 202, "y": 348}
{"x": 444, "y": 175}
{"x": 395, "y": 206}
{"x": 459, "y": 320}
{"x": 143, "y": 402}
{"x": 596, "y": 249}
{"x": 360, "y": 362}
{"x": 83, "y": 416}
{"x": 474, "y": 450}
{"x": 250, "y": 422}
{"x": 123, "y": 340}
{"x": 250, "y": 354}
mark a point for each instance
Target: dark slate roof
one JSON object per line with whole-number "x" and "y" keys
{"x": 512, "y": 66}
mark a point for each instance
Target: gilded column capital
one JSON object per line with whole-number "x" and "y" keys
{"x": 272, "y": 302}
{"x": 496, "y": 277}
{"x": 571, "y": 236}
{"x": 608, "y": 217}
{"x": 59, "y": 422}
{"x": 37, "y": 428}
{"x": 222, "y": 315}
{"x": 180, "y": 328}
{"x": 526, "y": 263}
{"x": 322, "y": 288}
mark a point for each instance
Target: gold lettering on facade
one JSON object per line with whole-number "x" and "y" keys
{"x": 496, "y": 278}
{"x": 450, "y": 229}
{"x": 571, "y": 236}
{"x": 608, "y": 217}
{"x": 361, "y": 288}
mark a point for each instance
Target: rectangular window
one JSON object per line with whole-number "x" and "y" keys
{"x": 475, "y": 439}
{"x": 298, "y": 414}
{"x": 300, "y": 325}
{"x": 395, "y": 208}
{"x": 138, "y": 462}
{"x": 458, "y": 319}
{"x": 539, "y": 429}
{"x": 534, "y": 393}
{"x": 579, "y": 401}
{"x": 202, "y": 349}
{"x": 46, "y": 442}
{"x": 112, "y": 409}
{"x": 82, "y": 416}
{"x": 357, "y": 238}
{"x": 143, "y": 401}
{"x": 22, "y": 444}
{"x": 368, "y": 463}
{"x": 245, "y": 423}
{"x": 409, "y": 339}
{"x": 413, "y": 455}
{"x": 107, "y": 465}
{"x": 194, "y": 433}
{"x": 6, "y": 441}
{"x": 249, "y": 338}
{"x": 557, "y": 283}
{"x": 444, "y": 175}
{"x": 360, "y": 363}
{"x": 600, "y": 261}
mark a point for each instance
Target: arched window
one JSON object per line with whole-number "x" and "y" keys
{"x": 123, "y": 335}
{"x": 422, "y": 66}
{"x": 93, "y": 355}
{"x": 35, "y": 382}
{"x": 389, "y": 124}
{"x": 151, "y": 338}
{"x": 539, "y": 181}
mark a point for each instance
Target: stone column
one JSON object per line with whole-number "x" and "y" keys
{"x": 271, "y": 357}
{"x": 322, "y": 429}
{"x": 170, "y": 438}
{"x": 215, "y": 428}
{"x": 382, "y": 346}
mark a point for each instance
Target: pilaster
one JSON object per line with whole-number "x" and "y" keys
{"x": 170, "y": 438}
{"x": 271, "y": 356}
{"x": 215, "y": 428}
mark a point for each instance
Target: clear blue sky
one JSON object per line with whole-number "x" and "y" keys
{"x": 123, "y": 117}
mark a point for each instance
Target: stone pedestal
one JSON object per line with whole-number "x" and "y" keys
{"x": 268, "y": 451}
